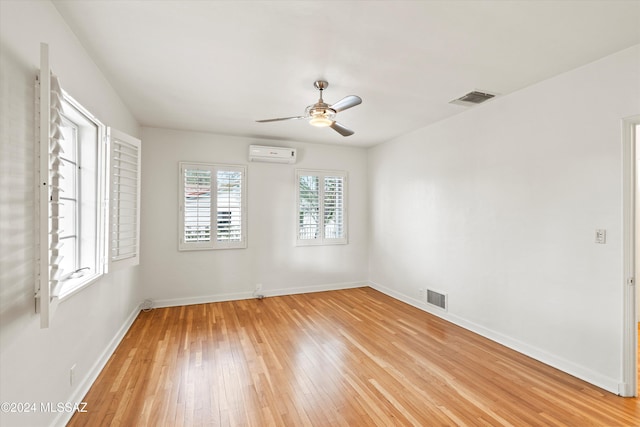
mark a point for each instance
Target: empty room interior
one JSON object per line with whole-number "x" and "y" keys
{"x": 319, "y": 213}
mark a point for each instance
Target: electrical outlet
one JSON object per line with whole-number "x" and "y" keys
{"x": 422, "y": 292}
{"x": 601, "y": 236}
{"x": 258, "y": 287}
{"x": 72, "y": 375}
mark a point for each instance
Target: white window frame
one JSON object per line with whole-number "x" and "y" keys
{"x": 213, "y": 242}
{"x": 73, "y": 281}
{"x": 322, "y": 239}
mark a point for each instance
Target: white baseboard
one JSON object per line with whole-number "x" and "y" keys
{"x": 571, "y": 368}
{"x": 83, "y": 387}
{"x": 175, "y": 302}
{"x": 315, "y": 288}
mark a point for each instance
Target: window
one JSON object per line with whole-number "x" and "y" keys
{"x": 79, "y": 183}
{"x": 212, "y": 206}
{"x": 74, "y": 191}
{"x": 321, "y": 199}
{"x": 80, "y": 190}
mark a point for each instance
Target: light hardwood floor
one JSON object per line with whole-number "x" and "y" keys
{"x": 350, "y": 358}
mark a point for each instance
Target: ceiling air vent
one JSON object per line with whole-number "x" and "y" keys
{"x": 473, "y": 98}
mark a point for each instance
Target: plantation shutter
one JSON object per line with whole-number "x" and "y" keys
{"x": 309, "y": 207}
{"x": 333, "y": 203}
{"x": 212, "y": 206}
{"x": 197, "y": 204}
{"x": 229, "y": 206}
{"x": 124, "y": 200}
{"x": 48, "y": 170}
{"x": 321, "y": 207}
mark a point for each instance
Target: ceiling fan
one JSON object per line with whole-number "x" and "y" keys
{"x": 321, "y": 114}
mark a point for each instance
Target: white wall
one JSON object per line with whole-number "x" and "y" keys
{"x": 35, "y": 363}
{"x": 171, "y": 277}
{"x": 498, "y": 206}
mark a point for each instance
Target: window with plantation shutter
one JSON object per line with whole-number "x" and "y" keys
{"x": 321, "y": 202}
{"x": 212, "y": 206}
{"x": 79, "y": 179}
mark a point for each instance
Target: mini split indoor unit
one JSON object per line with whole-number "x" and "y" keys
{"x": 260, "y": 153}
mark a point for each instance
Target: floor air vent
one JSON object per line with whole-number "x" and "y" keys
{"x": 437, "y": 299}
{"x": 473, "y": 98}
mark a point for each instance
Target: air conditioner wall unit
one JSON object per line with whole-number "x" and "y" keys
{"x": 260, "y": 153}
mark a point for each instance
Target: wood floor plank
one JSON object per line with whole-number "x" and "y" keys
{"x": 342, "y": 358}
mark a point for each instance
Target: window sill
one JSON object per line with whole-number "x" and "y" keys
{"x": 185, "y": 247}
{"x": 321, "y": 242}
{"x": 71, "y": 287}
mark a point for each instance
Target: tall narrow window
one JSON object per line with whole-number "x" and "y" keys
{"x": 212, "y": 206}
{"x": 81, "y": 188}
{"x": 321, "y": 207}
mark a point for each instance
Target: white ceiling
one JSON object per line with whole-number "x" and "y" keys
{"x": 218, "y": 66}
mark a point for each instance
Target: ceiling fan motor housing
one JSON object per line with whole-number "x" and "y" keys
{"x": 320, "y": 108}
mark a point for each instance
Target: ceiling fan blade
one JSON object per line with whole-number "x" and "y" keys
{"x": 280, "y": 119}
{"x": 346, "y": 102}
{"x": 341, "y": 129}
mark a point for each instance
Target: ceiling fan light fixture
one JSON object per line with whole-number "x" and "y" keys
{"x": 320, "y": 121}
{"x": 320, "y": 116}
